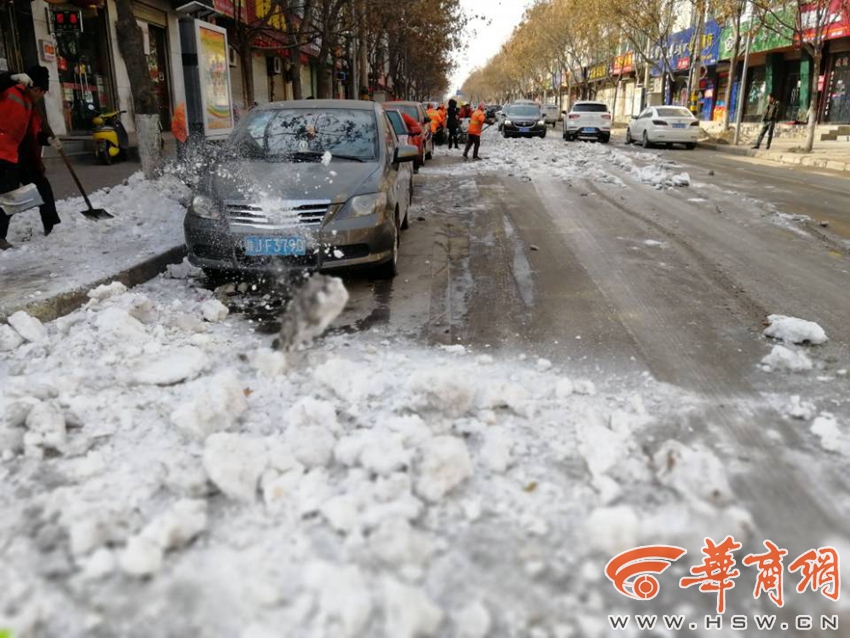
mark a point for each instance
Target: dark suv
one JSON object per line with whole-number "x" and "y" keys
{"x": 523, "y": 120}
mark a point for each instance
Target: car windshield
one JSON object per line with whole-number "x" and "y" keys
{"x": 302, "y": 134}
{"x": 590, "y": 108}
{"x": 523, "y": 110}
{"x": 674, "y": 112}
{"x": 397, "y": 122}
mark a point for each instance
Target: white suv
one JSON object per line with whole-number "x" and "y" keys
{"x": 588, "y": 120}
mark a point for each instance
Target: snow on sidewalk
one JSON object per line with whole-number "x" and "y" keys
{"x": 163, "y": 471}
{"x": 148, "y": 221}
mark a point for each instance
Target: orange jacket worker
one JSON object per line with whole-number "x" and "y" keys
{"x": 476, "y": 127}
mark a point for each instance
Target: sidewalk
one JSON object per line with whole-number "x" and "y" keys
{"x": 834, "y": 156}
{"x": 49, "y": 276}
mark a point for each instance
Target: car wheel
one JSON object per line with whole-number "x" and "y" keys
{"x": 543, "y": 135}
{"x": 629, "y": 139}
{"x": 604, "y": 138}
{"x": 216, "y": 277}
{"x": 690, "y": 146}
{"x": 645, "y": 141}
{"x": 389, "y": 269}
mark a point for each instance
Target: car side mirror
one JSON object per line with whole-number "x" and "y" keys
{"x": 405, "y": 153}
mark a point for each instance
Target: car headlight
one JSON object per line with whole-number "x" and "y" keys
{"x": 364, "y": 205}
{"x": 205, "y": 207}
{"x": 541, "y": 123}
{"x": 508, "y": 122}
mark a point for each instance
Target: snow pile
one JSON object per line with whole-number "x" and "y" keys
{"x": 660, "y": 177}
{"x": 793, "y": 330}
{"x": 29, "y": 328}
{"x": 782, "y": 358}
{"x": 361, "y": 488}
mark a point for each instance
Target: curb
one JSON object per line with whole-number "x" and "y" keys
{"x": 66, "y": 302}
{"x": 794, "y": 159}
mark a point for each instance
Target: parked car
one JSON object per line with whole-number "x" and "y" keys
{"x": 588, "y": 120}
{"x": 523, "y": 120}
{"x": 416, "y": 137}
{"x": 304, "y": 184}
{"x": 491, "y": 111}
{"x": 664, "y": 125}
{"x": 418, "y": 113}
{"x": 551, "y": 114}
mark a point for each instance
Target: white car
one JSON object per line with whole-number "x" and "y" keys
{"x": 664, "y": 125}
{"x": 551, "y": 114}
{"x": 588, "y": 120}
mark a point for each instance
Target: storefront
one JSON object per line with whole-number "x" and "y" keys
{"x": 154, "y": 25}
{"x": 18, "y": 47}
{"x": 837, "y": 97}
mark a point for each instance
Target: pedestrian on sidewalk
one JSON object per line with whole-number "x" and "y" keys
{"x": 453, "y": 123}
{"x": 23, "y": 131}
{"x": 768, "y": 121}
{"x": 476, "y": 127}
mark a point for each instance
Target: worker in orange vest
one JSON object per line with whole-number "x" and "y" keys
{"x": 434, "y": 116}
{"x": 476, "y": 127}
{"x": 180, "y": 129}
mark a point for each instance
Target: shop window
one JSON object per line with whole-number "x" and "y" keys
{"x": 756, "y": 95}
{"x": 838, "y": 91}
{"x": 790, "y": 100}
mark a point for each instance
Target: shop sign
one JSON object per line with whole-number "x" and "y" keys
{"x": 46, "y": 51}
{"x": 597, "y": 72}
{"x": 836, "y": 24}
{"x": 624, "y": 63}
{"x": 764, "y": 38}
{"x": 65, "y": 21}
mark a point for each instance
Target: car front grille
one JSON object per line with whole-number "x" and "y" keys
{"x": 282, "y": 215}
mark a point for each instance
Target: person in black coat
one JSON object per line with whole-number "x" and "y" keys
{"x": 453, "y": 123}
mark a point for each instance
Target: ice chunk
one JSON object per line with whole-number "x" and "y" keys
{"x": 234, "y": 463}
{"x": 585, "y": 387}
{"x": 141, "y": 557}
{"x": 327, "y": 158}
{"x": 695, "y": 472}
{"x": 312, "y": 446}
{"x": 798, "y": 409}
{"x": 793, "y": 330}
{"x": 105, "y": 291}
{"x": 612, "y": 530}
{"x": 45, "y": 426}
{"x": 183, "y": 270}
{"x": 217, "y": 404}
{"x": 179, "y": 525}
{"x": 311, "y": 310}
{"x": 119, "y": 326}
{"x": 408, "y": 612}
{"x": 28, "y": 327}
{"x": 544, "y": 365}
{"x": 168, "y": 368}
{"x": 782, "y": 358}
{"x": 344, "y": 599}
{"x": 309, "y": 411}
{"x": 445, "y": 464}
{"x": 563, "y": 388}
{"x": 214, "y": 311}
{"x": 445, "y": 390}
{"x": 100, "y": 564}
{"x": 495, "y": 454}
{"x": 832, "y": 439}
{"x": 9, "y": 338}
{"x": 473, "y": 621}
{"x": 384, "y": 454}
{"x": 270, "y": 363}
{"x": 681, "y": 179}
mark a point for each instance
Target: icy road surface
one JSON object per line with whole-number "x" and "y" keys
{"x": 571, "y": 364}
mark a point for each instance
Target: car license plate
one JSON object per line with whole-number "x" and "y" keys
{"x": 524, "y": 129}
{"x": 588, "y": 130}
{"x": 678, "y": 126}
{"x": 275, "y": 246}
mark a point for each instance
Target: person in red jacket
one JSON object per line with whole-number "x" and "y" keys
{"x": 22, "y": 134}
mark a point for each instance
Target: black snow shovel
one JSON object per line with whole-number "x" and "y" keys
{"x": 91, "y": 213}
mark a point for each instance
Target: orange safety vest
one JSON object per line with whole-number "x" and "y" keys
{"x": 435, "y": 119}
{"x": 16, "y": 121}
{"x": 476, "y": 123}
{"x": 179, "y": 128}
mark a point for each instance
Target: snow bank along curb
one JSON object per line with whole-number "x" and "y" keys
{"x": 62, "y": 303}
{"x": 797, "y": 159}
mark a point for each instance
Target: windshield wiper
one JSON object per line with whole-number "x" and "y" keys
{"x": 353, "y": 158}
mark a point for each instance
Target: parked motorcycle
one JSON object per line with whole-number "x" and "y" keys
{"x": 110, "y": 137}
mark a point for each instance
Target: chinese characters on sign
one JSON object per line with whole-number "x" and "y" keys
{"x": 633, "y": 572}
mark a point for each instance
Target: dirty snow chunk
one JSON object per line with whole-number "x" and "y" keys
{"x": 695, "y": 472}
{"x": 183, "y": 270}
{"x": 782, "y": 358}
{"x": 652, "y": 242}
{"x": 563, "y": 388}
{"x": 495, "y": 454}
{"x": 234, "y": 463}
{"x": 45, "y": 426}
{"x": 585, "y": 387}
{"x": 214, "y": 311}
{"x": 832, "y": 439}
{"x": 409, "y": 613}
{"x": 682, "y": 179}
{"x": 445, "y": 390}
{"x": 269, "y": 363}
{"x": 543, "y": 365}
{"x": 345, "y": 378}
{"x": 311, "y": 310}
{"x": 168, "y": 368}
{"x": 445, "y": 464}
{"x": 312, "y": 446}
{"x": 309, "y": 411}
{"x": 118, "y": 325}
{"x": 454, "y": 349}
{"x": 141, "y": 557}
{"x": 798, "y": 409}
{"x": 105, "y": 291}
{"x": 217, "y": 404}
{"x": 344, "y": 599}
{"x": 28, "y": 327}
{"x": 793, "y": 330}
{"x": 327, "y": 158}
{"x": 384, "y": 454}
{"x": 473, "y": 621}
{"x": 612, "y": 530}
{"x": 9, "y": 338}
{"x": 179, "y": 525}
{"x": 101, "y": 564}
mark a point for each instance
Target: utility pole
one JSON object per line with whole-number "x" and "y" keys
{"x": 739, "y": 107}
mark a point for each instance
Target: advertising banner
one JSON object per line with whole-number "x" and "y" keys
{"x": 679, "y": 49}
{"x": 836, "y": 23}
{"x": 764, "y": 38}
{"x": 214, "y": 72}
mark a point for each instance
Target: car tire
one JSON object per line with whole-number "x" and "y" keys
{"x": 645, "y": 141}
{"x": 604, "y": 138}
{"x": 543, "y": 135}
{"x": 629, "y": 139}
{"x": 216, "y": 277}
{"x": 690, "y": 146}
{"x": 389, "y": 269}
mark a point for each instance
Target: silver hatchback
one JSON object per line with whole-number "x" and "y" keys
{"x": 320, "y": 184}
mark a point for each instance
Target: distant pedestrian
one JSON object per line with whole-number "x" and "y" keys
{"x": 476, "y": 127}
{"x": 453, "y": 123}
{"x": 180, "y": 130}
{"x": 23, "y": 132}
{"x": 768, "y": 121}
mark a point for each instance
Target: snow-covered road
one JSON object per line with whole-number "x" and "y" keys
{"x": 571, "y": 364}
